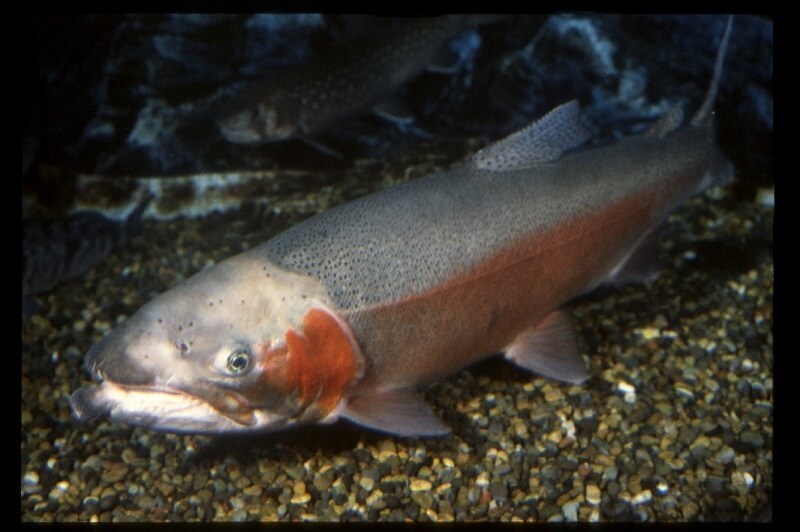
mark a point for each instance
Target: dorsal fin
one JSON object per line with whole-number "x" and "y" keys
{"x": 543, "y": 141}
{"x": 704, "y": 113}
{"x": 666, "y": 123}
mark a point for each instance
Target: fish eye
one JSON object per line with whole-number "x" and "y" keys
{"x": 239, "y": 361}
{"x": 182, "y": 347}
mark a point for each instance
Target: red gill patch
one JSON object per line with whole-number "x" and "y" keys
{"x": 323, "y": 359}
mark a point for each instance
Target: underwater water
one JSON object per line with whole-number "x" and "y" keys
{"x": 674, "y": 424}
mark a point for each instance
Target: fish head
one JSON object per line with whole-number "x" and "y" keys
{"x": 242, "y": 345}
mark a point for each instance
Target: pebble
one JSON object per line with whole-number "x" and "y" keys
{"x": 114, "y": 473}
{"x": 31, "y": 480}
{"x": 302, "y": 498}
{"x": 684, "y": 391}
{"x": 593, "y": 494}
{"x": 129, "y": 456}
{"x": 570, "y": 511}
{"x": 610, "y": 474}
{"x": 725, "y": 455}
{"x": 423, "y": 499}
{"x": 59, "y": 490}
{"x": 625, "y": 387}
{"x": 144, "y": 501}
{"x": 649, "y": 333}
{"x": 366, "y": 483}
{"x": 322, "y": 482}
{"x": 108, "y": 499}
{"x": 553, "y": 395}
{"x": 420, "y": 485}
{"x": 375, "y": 501}
{"x": 165, "y": 488}
{"x": 642, "y": 497}
{"x": 752, "y": 439}
{"x": 741, "y": 481}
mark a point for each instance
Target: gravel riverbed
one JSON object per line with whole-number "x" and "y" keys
{"x": 675, "y": 423}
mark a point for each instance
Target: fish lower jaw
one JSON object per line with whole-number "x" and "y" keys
{"x": 160, "y": 409}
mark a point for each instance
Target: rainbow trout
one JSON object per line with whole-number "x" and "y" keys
{"x": 346, "y": 313}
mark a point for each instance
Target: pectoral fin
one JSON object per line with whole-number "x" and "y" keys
{"x": 399, "y": 412}
{"x": 549, "y": 349}
{"x": 327, "y": 150}
{"x": 394, "y": 110}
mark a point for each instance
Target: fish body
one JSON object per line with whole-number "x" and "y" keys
{"x": 345, "y": 314}
{"x": 350, "y": 77}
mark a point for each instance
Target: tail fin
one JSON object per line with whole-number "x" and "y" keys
{"x": 704, "y": 113}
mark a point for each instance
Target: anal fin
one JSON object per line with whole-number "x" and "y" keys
{"x": 641, "y": 264}
{"x": 549, "y": 349}
{"x": 400, "y": 412}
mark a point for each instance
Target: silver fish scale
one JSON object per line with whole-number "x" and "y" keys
{"x": 393, "y": 242}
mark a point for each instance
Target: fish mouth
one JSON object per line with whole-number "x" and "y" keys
{"x": 169, "y": 409}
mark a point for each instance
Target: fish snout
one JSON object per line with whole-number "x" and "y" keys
{"x": 85, "y": 405}
{"x": 110, "y": 359}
